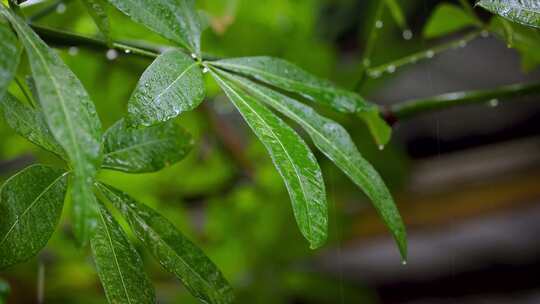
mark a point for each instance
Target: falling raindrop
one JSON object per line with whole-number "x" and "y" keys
{"x": 407, "y": 34}
{"x": 430, "y": 54}
{"x": 61, "y": 8}
{"x": 127, "y": 51}
{"x": 484, "y": 34}
{"x": 379, "y": 24}
{"x": 391, "y": 69}
{"x": 73, "y": 50}
{"x": 493, "y": 102}
{"x": 111, "y": 54}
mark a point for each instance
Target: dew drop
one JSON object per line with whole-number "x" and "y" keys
{"x": 205, "y": 70}
{"x": 72, "y": 51}
{"x": 391, "y": 69}
{"x": 127, "y": 51}
{"x": 430, "y": 54}
{"x": 379, "y": 24}
{"x": 374, "y": 74}
{"x": 381, "y": 147}
{"x": 407, "y": 34}
{"x": 111, "y": 54}
{"x": 61, "y": 8}
{"x": 493, "y": 103}
{"x": 403, "y": 262}
{"x": 193, "y": 55}
{"x": 484, "y": 34}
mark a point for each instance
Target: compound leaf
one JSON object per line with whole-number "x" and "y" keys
{"x": 31, "y": 204}
{"x": 334, "y": 141}
{"x": 119, "y": 266}
{"x": 145, "y": 150}
{"x": 173, "y": 250}
{"x": 172, "y": 84}
{"x": 292, "y": 158}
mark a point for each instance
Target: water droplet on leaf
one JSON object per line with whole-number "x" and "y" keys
{"x": 193, "y": 55}
{"x": 407, "y": 34}
{"x": 430, "y": 54}
{"x": 391, "y": 69}
{"x": 111, "y": 54}
{"x": 381, "y": 147}
{"x": 127, "y": 51}
{"x": 493, "y": 102}
{"x": 379, "y": 24}
{"x": 73, "y": 50}
{"x": 61, "y": 8}
{"x": 205, "y": 70}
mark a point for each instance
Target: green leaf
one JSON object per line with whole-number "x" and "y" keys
{"x": 145, "y": 150}
{"x": 30, "y": 204}
{"x": 119, "y": 265}
{"x": 287, "y": 76}
{"x": 172, "y": 84}
{"x": 29, "y": 123}
{"x": 334, "y": 141}
{"x": 71, "y": 117}
{"x": 97, "y": 9}
{"x": 292, "y": 158}
{"x": 447, "y": 18}
{"x": 396, "y": 12}
{"x": 173, "y": 250}
{"x": 290, "y": 77}
{"x": 10, "y": 54}
{"x": 526, "y": 12}
{"x": 176, "y": 20}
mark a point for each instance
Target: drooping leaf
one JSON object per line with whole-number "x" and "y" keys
{"x": 119, "y": 266}
{"x": 10, "y": 53}
{"x": 145, "y": 150}
{"x": 396, "y": 12}
{"x": 287, "y": 76}
{"x": 176, "y": 20}
{"x": 30, "y": 204}
{"x": 292, "y": 158}
{"x": 97, "y": 9}
{"x": 447, "y": 18}
{"x": 29, "y": 123}
{"x": 526, "y": 12}
{"x": 334, "y": 141}
{"x": 172, "y": 84}
{"x": 71, "y": 117}
{"x": 173, "y": 250}
{"x": 290, "y": 77}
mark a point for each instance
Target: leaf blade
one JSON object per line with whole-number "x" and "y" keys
{"x": 526, "y": 12}
{"x": 31, "y": 204}
{"x": 176, "y": 20}
{"x": 172, "y": 84}
{"x": 293, "y": 160}
{"x": 144, "y": 150}
{"x": 97, "y": 9}
{"x": 174, "y": 252}
{"x": 10, "y": 53}
{"x": 119, "y": 266}
{"x": 447, "y": 18}
{"x": 335, "y": 142}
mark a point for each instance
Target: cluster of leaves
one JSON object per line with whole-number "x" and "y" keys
{"x": 61, "y": 118}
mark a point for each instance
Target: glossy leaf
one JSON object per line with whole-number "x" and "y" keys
{"x": 145, "y": 150}
{"x": 71, "y": 117}
{"x": 334, "y": 141}
{"x": 9, "y": 56}
{"x": 97, "y": 9}
{"x": 447, "y": 18}
{"x": 119, "y": 265}
{"x": 173, "y": 250}
{"x": 176, "y": 20}
{"x": 29, "y": 123}
{"x": 290, "y": 77}
{"x": 172, "y": 84}
{"x": 292, "y": 158}
{"x": 30, "y": 204}
{"x": 526, "y": 12}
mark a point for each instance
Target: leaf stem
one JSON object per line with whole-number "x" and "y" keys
{"x": 416, "y": 107}
{"x": 425, "y": 54}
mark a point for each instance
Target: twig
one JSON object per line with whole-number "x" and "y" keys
{"x": 416, "y": 107}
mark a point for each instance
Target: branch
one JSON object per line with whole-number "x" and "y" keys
{"x": 412, "y": 108}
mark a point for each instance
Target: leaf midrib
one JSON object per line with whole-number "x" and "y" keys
{"x": 172, "y": 83}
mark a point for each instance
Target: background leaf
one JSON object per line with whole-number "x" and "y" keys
{"x": 173, "y": 250}
{"x": 145, "y": 150}
{"x": 29, "y": 123}
{"x": 292, "y": 158}
{"x": 447, "y": 18}
{"x": 526, "y": 12}
{"x": 10, "y": 54}
{"x": 119, "y": 266}
{"x": 335, "y": 142}
{"x": 98, "y": 11}
{"x": 172, "y": 84}
{"x": 176, "y": 20}
{"x": 396, "y": 12}
{"x": 31, "y": 204}
{"x": 71, "y": 117}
